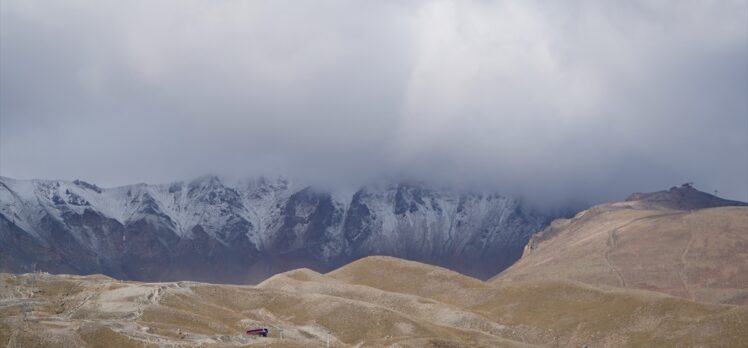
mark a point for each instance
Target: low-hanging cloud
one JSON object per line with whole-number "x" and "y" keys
{"x": 580, "y": 100}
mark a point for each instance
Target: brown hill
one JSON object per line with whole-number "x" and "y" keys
{"x": 415, "y": 278}
{"x": 647, "y": 242}
{"x": 685, "y": 197}
{"x": 405, "y": 304}
{"x": 308, "y": 310}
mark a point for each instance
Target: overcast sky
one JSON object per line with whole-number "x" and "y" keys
{"x": 582, "y": 100}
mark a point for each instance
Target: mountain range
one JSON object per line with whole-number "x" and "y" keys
{"x": 214, "y": 230}
{"x": 665, "y": 269}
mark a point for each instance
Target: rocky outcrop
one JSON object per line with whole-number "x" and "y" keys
{"x": 685, "y": 197}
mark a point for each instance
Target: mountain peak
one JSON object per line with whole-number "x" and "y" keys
{"x": 685, "y": 197}
{"x": 207, "y": 181}
{"x": 201, "y": 228}
{"x": 87, "y": 185}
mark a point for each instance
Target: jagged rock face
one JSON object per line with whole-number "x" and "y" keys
{"x": 472, "y": 233}
{"x": 241, "y": 233}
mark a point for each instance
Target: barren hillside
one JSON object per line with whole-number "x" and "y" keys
{"x": 647, "y": 242}
{"x": 358, "y": 305}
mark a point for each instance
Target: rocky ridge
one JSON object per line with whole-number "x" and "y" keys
{"x": 213, "y": 230}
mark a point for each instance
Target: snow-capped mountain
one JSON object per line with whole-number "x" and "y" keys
{"x": 242, "y": 232}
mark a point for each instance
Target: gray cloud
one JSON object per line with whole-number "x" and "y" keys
{"x": 575, "y": 100}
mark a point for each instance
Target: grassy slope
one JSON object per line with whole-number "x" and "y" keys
{"x": 700, "y": 255}
{"x": 376, "y": 302}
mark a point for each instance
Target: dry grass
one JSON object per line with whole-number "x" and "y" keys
{"x": 574, "y": 314}
{"x": 700, "y": 255}
{"x": 104, "y": 337}
{"x": 409, "y": 277}
{"x": 375, "y": 302}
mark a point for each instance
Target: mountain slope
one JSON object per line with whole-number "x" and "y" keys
{"x": 648, "y": 242}
{"x": 685, "y": 197}
{"x": 245, "y": 231}
{"x": 408, "y": 277}
{"x": 303, "y": 308}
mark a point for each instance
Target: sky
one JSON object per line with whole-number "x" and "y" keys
{"x": 554, "y": 101}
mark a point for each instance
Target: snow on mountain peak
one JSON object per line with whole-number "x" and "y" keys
{"x": 274, "y": 216}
